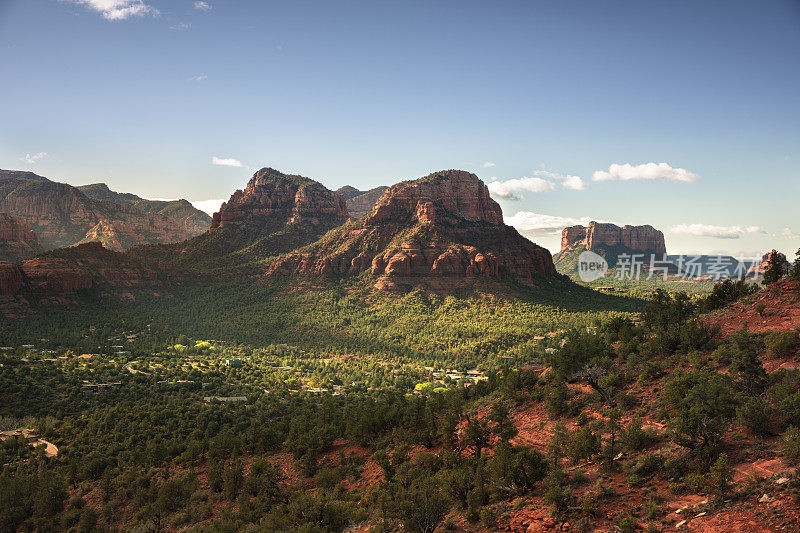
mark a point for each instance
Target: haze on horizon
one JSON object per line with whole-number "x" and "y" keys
{"x": 681, "y": 115}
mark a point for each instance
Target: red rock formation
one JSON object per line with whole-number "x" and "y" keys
{"x": 10, "y": 278}
{"x": 641, "y": 239}
{"x": 80, "y": 267}
{"x": 183, "y": 213}
{"x": 55, "y": 275}
{"x": 359, "y": 203}
{"x": 762, "y": 266}
{"x": 272, "y": 198}
{"x": 452, "y": 191}
{"x": 61, "y": 215}
{"x": 17, "y": 240}
{"x": 442, "y": 226}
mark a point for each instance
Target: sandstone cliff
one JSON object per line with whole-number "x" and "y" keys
{"x": 81, "y": 267}
{"x": 639, "y": 239}
{"x": 359, "y": 203}
{"x": 273, "y": 198}
{"x": 444, "y": 226}
{"x": 61, "y": 215}
{"x": 610, "y": 241}
{"x": 181, "y": 211}
{"x": 273, "y": 214}
{"x": 17, "y": 240}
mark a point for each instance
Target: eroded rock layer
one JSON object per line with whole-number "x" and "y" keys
{"x": 17, "y": 240}
{"x": 642, "y": 239}
{"x": 444, "y": 225}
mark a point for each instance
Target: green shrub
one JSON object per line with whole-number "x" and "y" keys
{"x": 791, "y": 445}
{"x": 754, "y": 415}
{"x": 627, "y": 523}
{"x": 647, "y": 464}
{"x": 583, "y": 444}
{"x": 634, "y": 437}
{"x": 488, "y": 518}
{"x": 557, "y": 399}
{"x": 782, "y": 344}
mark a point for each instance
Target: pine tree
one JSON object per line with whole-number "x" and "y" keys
{"x": 721, "y": 475}
{"x": 776, "y": 269}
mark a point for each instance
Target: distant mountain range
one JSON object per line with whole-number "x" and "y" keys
{"x": 62, "y": 215}
{"x": 442, "y": 231}
{"x": 359, "y": 203}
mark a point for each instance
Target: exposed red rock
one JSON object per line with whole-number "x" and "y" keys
{"x": 766, "y": 261}
{"x": 80, "y": 267}
{"x": 274, "y": 197}
{"x": 776, "y": 309}
{"x": 17, "y": 240}
{"x": 442, "y": 226}
{"x": 183, "y": 213}
{"x": 455, "y": 192}
{"x": 359, "y": 203}
{"x": 641, "y": 239}
{"x": 55, "y": 275}
{"x": 10, "y": 278}
{"x": 62, "y": 215}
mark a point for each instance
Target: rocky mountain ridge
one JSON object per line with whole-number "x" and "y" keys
{"x": 609, "y": 241}
{"x": 444, "y": 228}
{"x": 62, "y": 215}
{"x": 193, "y": 220}
{"x": 359, "y": 203}
{"x": 17, "y": 240}
{"x": 274, "y": 197}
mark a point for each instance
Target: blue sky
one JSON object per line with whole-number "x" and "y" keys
{"x": 534, "y": 97}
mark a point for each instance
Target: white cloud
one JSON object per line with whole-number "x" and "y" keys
{"x": 225, "y": 162}
{"x": 575, "y": 183}
{"x": 202, "y": 6}
{"x": 568, "y": 181}
{"x": 31, "y": 159}
{"x": 647, "y": 171}
{"x": 528, "y": 221}
{"x": 542, "y": 180}
{"x": 718, "y": 232}
{"x": 208, "y": 206}
{"x": 506, "y": 189}
{"x": 119, "y": 9}
{"x": 789, "y": 234}
{"x": 181, "y": 26}
{"x": 201, "y": 77}
{"x": 488, "y": 164}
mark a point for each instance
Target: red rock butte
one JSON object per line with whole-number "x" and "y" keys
{"x": 443, "y": 226}
{"x": 272, "y": 196}
{"x": 596, "y": 235}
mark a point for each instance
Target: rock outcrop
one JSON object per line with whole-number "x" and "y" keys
{"x": 759, "y": 268}
{"x": 359, "y": 203}
{"x": 81, "y": 267}
{"x": 444, "y": 226}
{"x": 273, "y": 198}
{"x": 639, "y": 239}
{"x": 182, "y": 212}
{"x": 610, "y": 241}
{"x": 62, "y": 215}
{"x": 10, "y": 278}
{"x": 17, "y": 240}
